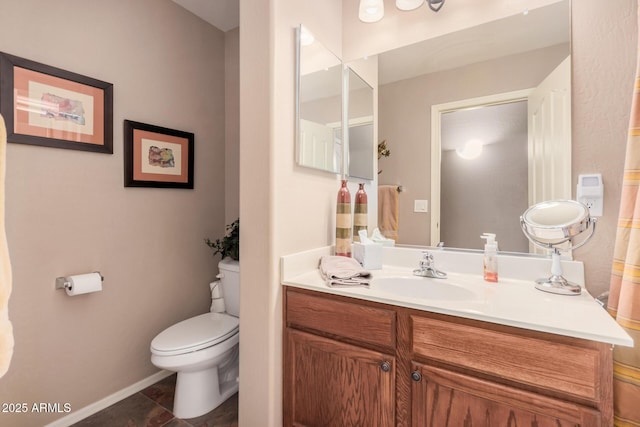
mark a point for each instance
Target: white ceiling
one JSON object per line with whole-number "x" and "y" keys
{"x": 222, "y": 14}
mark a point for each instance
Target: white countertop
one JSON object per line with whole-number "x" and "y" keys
{"x": 511, "y": 301}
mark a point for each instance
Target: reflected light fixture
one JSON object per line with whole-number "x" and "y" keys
{"x": 471, "y": 150}
{"x": 371, "y": 10}
{"x": 432, "y": 4}
{"x": 306, "y": 38}
{"x": 408, "y": 4}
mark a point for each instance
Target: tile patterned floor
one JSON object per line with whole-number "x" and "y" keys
{"x": 151, "y": 407}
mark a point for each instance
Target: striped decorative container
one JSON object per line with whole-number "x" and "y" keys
{"x": 343, "y": 221}
{"x": 360, "y": 216}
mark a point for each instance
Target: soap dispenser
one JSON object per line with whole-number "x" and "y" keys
{"x": 490, "y": 257}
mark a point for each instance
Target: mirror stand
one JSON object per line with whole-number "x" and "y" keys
{"x": 556, "y": 283}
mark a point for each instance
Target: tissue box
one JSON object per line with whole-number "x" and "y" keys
{"x": 368, "y": 255}
{"x": 386, "y": 242}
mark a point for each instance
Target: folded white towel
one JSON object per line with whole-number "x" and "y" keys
{"x": 341, "y": 271}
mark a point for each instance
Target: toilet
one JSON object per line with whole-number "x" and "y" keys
{"x": 203, "y": 350}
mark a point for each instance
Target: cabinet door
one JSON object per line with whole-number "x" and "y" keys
{"x": 329, "y": 383}
{"x": 442, "y": 398}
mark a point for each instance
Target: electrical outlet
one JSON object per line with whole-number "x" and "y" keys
{"x": 590, "y": 192}
{"x": 593, "y": 204}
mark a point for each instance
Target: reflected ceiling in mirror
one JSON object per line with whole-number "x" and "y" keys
{"x": 538, "y": 29}
{"x": 506, "y": 55}
{"x": 318, "y": 104}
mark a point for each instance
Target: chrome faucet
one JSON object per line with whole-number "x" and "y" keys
{"x": 427, "y": 269}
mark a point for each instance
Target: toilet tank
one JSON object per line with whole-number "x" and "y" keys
{"x": 230, "y": 279}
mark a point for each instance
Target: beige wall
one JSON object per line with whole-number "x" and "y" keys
{"x": 285, "y": 208}
{"x": 604, "y": 61}
{"x": 232, "y": 125}
{"x": 68, "y": 211}
{"x": 405, "y": 122}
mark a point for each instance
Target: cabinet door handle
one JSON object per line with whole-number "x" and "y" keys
{"x": 416, "y": 376}
{"x": 385, "y": 366}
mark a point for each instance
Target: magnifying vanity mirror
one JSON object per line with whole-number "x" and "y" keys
{"x": 319, "y": 77}
{"x": 423, "y": 86}
{"x": 553, "y": 225}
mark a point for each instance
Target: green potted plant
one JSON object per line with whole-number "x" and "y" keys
{"x": 229, "y": 245}
{"x": 383, "y": 151}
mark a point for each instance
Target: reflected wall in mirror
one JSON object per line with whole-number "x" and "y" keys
{"x": 359, "y": 105}
{"x": 319, "y": 77}
{"x": 507, "y": 55}
{"x": 483, "y": 165}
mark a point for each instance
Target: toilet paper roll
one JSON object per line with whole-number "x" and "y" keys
{"x": 217, "y": 305}
{"x": 215, "y": 289}
{"x": 84, "y": 283}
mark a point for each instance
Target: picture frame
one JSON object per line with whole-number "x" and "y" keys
{"x": 51, "y": 107}
{"x": 156, "y": 156}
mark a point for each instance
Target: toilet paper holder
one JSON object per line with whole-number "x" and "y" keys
{"x": 64, "y": 283}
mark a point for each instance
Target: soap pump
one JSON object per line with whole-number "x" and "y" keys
{"x": 490, "y": 257}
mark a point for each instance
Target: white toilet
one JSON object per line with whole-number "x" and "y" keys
{"x": 203, "y": 350}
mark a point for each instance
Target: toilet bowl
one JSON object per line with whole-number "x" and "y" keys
{"x": 203, "y": 350}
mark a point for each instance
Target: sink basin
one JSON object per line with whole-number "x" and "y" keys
{"x": 421, "y": 287}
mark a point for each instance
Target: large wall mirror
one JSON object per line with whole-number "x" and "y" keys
{"x": 463, "y": 80}
{"x": 361, "y": 146}
{"x": 319, "y": 77}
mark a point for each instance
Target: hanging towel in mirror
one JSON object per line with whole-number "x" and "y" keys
{"x": 388, "y": 211}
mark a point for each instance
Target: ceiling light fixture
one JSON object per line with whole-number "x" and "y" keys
{"x": 371, "y": 10}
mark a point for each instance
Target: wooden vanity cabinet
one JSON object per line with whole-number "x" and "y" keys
{"x": 349, "y": 362}
{"x": 339, "y": 363}
{"x": 443, "y": 397}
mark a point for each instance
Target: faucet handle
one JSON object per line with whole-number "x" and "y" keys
{"x": 427, "y": 259}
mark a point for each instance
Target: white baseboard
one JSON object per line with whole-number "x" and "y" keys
{"x": 101, "y": 404}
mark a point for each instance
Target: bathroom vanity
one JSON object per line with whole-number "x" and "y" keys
{"x": 501, "y": 354}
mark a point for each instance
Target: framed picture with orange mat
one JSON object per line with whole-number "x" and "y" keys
{"x": 52, "y": 107}
{"x": 156, "y": 156}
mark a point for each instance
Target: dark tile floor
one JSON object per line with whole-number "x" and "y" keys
{"x": 152, "y": 406}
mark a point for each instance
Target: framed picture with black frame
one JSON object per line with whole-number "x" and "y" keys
{"x": 51, "y": 107}
{"x": 157, "y": 157}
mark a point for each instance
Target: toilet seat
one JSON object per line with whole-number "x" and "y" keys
{"x": 194, "y": 334}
